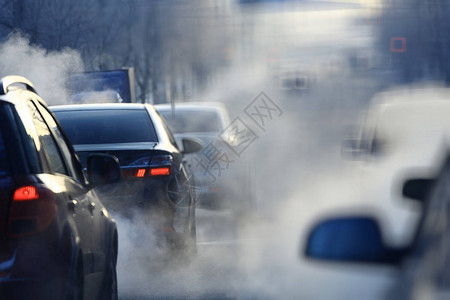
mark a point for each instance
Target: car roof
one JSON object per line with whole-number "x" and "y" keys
{"x": 192, "y": 106}
{"x": 415, "y": 105}
{"x": 12, "y": 97}
{"x": 12, "y": 85}
{"x": 406, "y": 96}
{"x": 99, "y": 106}
{"x": 401, "y": 101}
{"x": 160, "y": 130}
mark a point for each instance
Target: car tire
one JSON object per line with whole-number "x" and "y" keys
{"x": 76, "y": 291}
{"x": 191, "y": 242}
{"x": 183, "y": 248}
{"x": 190, "y": 239}
{"x": 110, "y": 289}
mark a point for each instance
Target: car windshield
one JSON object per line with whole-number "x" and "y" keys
{"x": 187, "y": 121}
{"x": 107, "y": 126}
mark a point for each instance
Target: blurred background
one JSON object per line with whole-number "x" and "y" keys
{"x": 298, "y": 77}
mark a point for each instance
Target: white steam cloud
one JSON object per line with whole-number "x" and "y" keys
{"x": 295, "y": 166}
{"x": 48, "y": 71}
{"x": 297, "y": 175}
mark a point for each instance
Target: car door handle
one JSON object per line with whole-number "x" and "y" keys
{"x": 91, "y": 206}
{"x": 72, "y": 205}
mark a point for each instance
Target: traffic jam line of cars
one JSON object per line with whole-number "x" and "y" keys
{"x": 154, "y": 176}
{"x": 62, "y": 167}
{"x": 58, "y": 240}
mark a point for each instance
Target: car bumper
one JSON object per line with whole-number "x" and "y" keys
{"x": 32, "y": 270}
{"x": 146, "y": 198}
{"x": 31, "y": 288}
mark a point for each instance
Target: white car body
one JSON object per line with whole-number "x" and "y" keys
{"x": 404, "y": 136}
{"x": 412, "y": 129}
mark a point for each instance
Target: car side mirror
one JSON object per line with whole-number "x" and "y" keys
{"x": 350, "y": 239}
{"x": 417, "y": 189}
{"x": 102, "y": 169}
{"x": 191, "y": 145}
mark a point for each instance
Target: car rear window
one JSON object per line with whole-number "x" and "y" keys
{"x": 186, "y": 121}
{"x": 107, "y": 126}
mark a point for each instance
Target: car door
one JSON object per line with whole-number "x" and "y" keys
{"x": 100, "y": 235}
{"x": 426, "y": 272}
{"x": 61, "y": 163}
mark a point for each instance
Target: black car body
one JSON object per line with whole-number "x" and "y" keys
{"x": 57, "y": 240}
{"x": 155, "y": 180}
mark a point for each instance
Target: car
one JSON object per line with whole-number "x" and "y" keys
{"x": 202, "y": 120}
{"x": 425, "y": 274}
{"x": 219, "y": 180}
{"x": 375, "y": 222}
{"x": 295, "y": 80}
{"x": 421, "y": 266}
{"x": 403, "y": 132}
{"x": 57, "y": 239}
{"x": 154, "y": 178}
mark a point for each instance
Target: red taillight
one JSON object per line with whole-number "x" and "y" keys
{"x": 32, "y": 210}
{"x": 159, "y": 171}
{"x": 157, "y": 165}
{"x": 140, "y": 173}
{"x": 160, "y": 165}
{"x": 25, "y": 193}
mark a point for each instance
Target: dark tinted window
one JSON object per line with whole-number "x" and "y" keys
{"x": 167, "y": 129}
{"x": 4, "y": 166}
{"x": 192, "y": 121}
{"x": 18, "y": 132}
{"x": 48, "y": 143}
{"x": 107, "y": 126}
{"x": 65, "y": 151}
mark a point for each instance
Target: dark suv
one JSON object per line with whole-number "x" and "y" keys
{"x": 57, "y": 241}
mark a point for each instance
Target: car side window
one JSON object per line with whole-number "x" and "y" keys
{"x": 377, "y": 145}
{"x": 169, "y": 133}
{"x": 50, "y": 148}
{"x": 59, "y": 138}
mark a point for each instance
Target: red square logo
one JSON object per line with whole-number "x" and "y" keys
{"x": 398, "y": 44}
